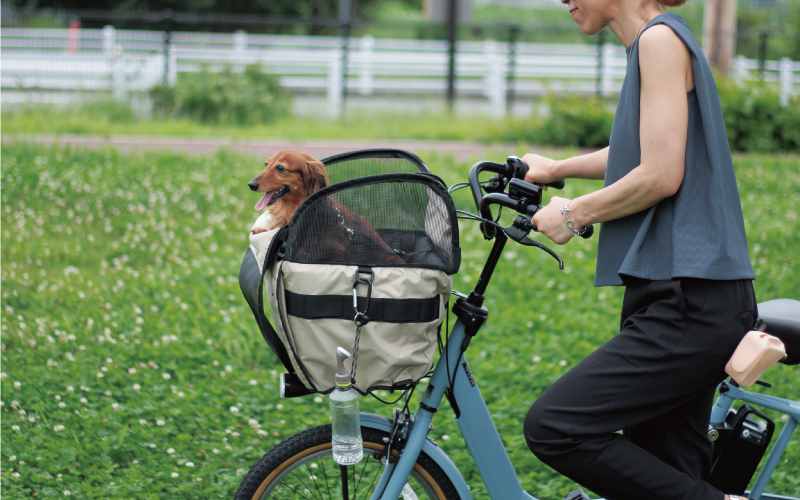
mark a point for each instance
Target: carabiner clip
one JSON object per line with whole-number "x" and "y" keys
{"x": 361, "y": 317}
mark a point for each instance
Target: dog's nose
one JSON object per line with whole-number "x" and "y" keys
{"x": 253, "y": 185}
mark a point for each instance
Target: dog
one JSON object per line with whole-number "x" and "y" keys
{"x": 292, "y": 176}
{"x": 289, "y": 178}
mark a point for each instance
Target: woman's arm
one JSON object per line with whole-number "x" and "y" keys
{"x": 544, "y": 170}
{"x": 665, "y": 75}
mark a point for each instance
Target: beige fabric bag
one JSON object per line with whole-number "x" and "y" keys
{"x": 409, "y": 254}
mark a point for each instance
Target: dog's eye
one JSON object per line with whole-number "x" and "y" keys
{"x": 280, "y": 168}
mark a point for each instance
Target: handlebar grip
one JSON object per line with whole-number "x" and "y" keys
{"x": 516, "y": 168}
{"x": 588, "y": 233}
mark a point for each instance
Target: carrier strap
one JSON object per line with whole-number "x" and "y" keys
{"x": 383, "y": 310}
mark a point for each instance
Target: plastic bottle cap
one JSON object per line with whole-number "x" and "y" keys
{"x": 342, "y": 375}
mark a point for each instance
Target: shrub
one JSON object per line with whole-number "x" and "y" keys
{"x": 754, "y": 119}
{"x": 574, "y": 120}
{"x": 225, "y": 97}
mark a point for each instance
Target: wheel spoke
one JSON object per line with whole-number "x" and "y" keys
{"x": 355, "y": 491}
{"x": 324, "y": 473}
{"x": 373, "y": 480}
{"x": 295, "y": 491}
{"x": 314, "y": 478}
{"x": 294, "y": 473}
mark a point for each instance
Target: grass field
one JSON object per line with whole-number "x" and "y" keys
{"x": 132, "y": 367}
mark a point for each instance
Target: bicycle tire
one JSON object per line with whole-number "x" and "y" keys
{"x": 275, "y": 475}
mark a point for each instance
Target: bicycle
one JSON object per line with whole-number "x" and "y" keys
{"x": 399, "y": 458}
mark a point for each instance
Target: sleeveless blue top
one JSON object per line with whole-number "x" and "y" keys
{"x": 699, "y": 231}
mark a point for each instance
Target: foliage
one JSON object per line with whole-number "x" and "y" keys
{"x": 132, "y": 367}
{"x": 228, "y": 97}
{"x": 754, "y": 118}
{"x": 571, "y": 120}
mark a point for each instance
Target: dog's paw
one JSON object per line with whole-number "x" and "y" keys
{"x": 258, "y": 230}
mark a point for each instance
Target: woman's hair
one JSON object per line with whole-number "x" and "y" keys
{"x": 671, "y": 3}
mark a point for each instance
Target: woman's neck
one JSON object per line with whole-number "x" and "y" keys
{"x": 631, "y": 20}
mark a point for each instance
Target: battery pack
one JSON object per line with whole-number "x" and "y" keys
{"x": 739, "y": 446}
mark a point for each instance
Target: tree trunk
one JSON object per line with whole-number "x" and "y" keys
{"x": 719, "y": 33}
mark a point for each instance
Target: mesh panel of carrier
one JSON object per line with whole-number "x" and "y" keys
{"x": 390, "y": 220}
{"x": 371, "y": 162}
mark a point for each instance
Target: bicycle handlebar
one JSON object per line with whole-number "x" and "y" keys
{"x": 523, "y": 197}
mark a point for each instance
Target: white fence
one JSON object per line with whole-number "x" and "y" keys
{"x": 51, "y": 65}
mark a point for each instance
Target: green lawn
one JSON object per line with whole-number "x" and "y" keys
{"x": 132, "y": 367}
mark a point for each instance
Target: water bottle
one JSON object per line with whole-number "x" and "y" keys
{"x": 348, "y": 448}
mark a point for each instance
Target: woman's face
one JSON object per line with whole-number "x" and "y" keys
{"x": 590, "y": 15}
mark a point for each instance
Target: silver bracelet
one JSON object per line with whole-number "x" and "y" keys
{"x": 570, "y": 224}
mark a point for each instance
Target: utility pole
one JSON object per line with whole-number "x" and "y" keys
{"x": 719, "y": 33}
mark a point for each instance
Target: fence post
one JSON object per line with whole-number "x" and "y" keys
{"x": 601, "y": 37}
{"x": 762, "y": 54}
{"x": 113, "y": 55}
{"x": 239, "y": 50}
{"x": 606, "y": 80}
{"x": 493, "y": 81}
{"x": 512, "y": 66}
{"x": 740, "y": 69}
{"x": 344, "y": 34}
{"x": 168, "y": 22}
{"x": 786, "y": 77}
{"x": 452, "y": 35}
{"x": 172, "y": 64}
{"x": 365, "y": 72}
{"x": 335, "y": 86}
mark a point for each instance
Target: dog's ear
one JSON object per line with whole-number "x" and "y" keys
{"x": 315, "y": 177}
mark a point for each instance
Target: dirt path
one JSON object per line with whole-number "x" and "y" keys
{"x": 461, "y": 151}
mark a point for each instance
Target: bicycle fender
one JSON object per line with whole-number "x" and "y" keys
{"x": 430, "y": 448}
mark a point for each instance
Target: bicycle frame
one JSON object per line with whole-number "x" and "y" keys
{"x": 728, "y": 393}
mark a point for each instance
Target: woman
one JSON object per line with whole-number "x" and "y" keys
{"x": 672, "y": 233}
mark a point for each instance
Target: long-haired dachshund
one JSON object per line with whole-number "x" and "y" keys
{"x": 290, "y": 177}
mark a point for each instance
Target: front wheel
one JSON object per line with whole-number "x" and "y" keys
{"x": 302, "y": 467}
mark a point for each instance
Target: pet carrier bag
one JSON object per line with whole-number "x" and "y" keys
{"x": 379, "y": 249}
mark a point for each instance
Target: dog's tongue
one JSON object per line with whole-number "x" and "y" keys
{"x": 264, "y": 201}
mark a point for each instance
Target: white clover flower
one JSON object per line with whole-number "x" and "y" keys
{"x": 84, "y": 400}
{"x": 136, "y": 387}
{"x": 103, "y": 368}
{"x": 252, "y": 422}
{"x": 215, "y": 363}
{"x": 15, "y": 475}
{"x": 445, "y": 437}
{"x": 536, "y": 359}
{"x": 131, "y": 371}
{"x": 143, "y": 421}
{"x": 180, "y": 394}
{"x": 58, "y": 428}
{"x": 215, "y": 450}
{"x": 170, "y": 450}
{"x": 253, "y": 381}
{"x": 17, "y": 385}
{"x": 152, "y": 445}
{"x": 189, "y": 464}
{"x": 3, "y": 375}
{"x": 175, "y": 474}
{"x": 563, "y": 362}
{"x": 58, "y": 398}
{"x": 108, "y": 393}
{"x": 279, "y": 406}
{"x": 234, "y": 409}
{"x": 99, "y": 375}
{"x": 235, "y": 434}
{"x": 12, "y": 457}
{"x": 62, "y": 405}
{"x": 15, "y": 428}
{"x": 262, "y": 432}
{"x": 23, "y": 412}
{"x": 166, "y": 376}
{"x": 70, "y": 388}
{"x": 160, "y": 422}
{"x": 318, "y": 399}
{"x": 115, "y": 406}
{"x": 31, "y": 419}
{"x": 67, "y": 493}
{"x": 228, "y": 368}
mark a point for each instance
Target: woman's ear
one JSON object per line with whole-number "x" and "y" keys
{"x": 317, "y": 177}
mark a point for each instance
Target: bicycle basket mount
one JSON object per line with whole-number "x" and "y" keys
{"x": 391, "y": 238}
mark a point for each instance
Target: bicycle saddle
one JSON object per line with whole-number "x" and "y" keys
{"x": 782, "y": 317}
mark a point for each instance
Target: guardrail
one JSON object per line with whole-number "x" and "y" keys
{"x": 51, "y": 65}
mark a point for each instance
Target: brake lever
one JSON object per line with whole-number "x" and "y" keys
{"x": 522, "y": 238}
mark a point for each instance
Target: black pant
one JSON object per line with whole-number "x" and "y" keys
{"x": 655, "y": 381}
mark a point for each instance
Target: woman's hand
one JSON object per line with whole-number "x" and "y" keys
{"x": 552, "y": 223}
{"x": 540, "y": 170}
